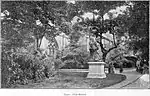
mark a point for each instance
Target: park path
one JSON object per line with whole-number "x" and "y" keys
{"x": 132, "y": 81}
{"x": 140, "y": 83}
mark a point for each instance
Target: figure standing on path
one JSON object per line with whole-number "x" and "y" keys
{"x": 121, "y": 67}
{"x": 138, "y": 65}
{"x": 121, "y": 64}
{"x": 111, "y": 68}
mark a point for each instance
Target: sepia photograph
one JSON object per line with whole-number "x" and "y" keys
{"x": 72, "y": 44}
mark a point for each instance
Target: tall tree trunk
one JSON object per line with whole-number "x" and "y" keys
{"x": 36, "y": 44}
{"x": 40, "y": 42}
{"x": 104, "y": 51}
{"x": 104, "y": 56}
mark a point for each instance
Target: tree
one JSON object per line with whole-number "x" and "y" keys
{"x": 99, "y": 26}
{"x": 135, "y": 24}
{"x": 35, "y": 19}
{"x": 25, "y": 22}
{"x": 139, "y": 29}
{"x": 67, "y": 13}
{"x": 28, "y": 19}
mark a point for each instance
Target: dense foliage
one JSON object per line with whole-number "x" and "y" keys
{"x": 20, "y": 68}
{"x": 75, "y": 58}
{"x": 25, "y": 23}
{"x": 139, "y": 30}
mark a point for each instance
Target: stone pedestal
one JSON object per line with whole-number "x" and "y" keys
{"x": 96, "y": 70}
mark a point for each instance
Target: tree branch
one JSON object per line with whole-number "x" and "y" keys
{"x": 115, "y": 45}
{"x": 114, "y": 39}
{"x": 106, "y": 39}
{"x": 111, "y": 49}
{"x": 101, "y": 44}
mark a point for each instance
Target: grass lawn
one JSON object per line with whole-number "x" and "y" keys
{"x": 75, "y": 80}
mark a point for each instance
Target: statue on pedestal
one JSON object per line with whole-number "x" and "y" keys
{"x": 96, "y": 67}
{"x": 94, "y": 55}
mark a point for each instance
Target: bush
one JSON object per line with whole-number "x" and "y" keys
{"x": 20, "y": 68}
{"x": 75, "y": 59}
{"x": 5, "y": 63}
{"x": 58, "y": 63}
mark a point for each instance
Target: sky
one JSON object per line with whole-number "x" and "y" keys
{"x": 71, "y": 1}
{"x": 116, "y": 12}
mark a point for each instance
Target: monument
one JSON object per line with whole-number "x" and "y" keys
{"x": 96, "y": 70}
{"x": 96, "y": 67}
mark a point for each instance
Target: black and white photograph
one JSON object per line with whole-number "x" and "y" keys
{"x": 73, "y": 44}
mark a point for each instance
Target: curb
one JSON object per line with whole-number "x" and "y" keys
{"x": 132, "y": 81}
{"x": 124, "y": 83}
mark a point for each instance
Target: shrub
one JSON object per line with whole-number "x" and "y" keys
{"x": 5, "y": 63}
{"x": 76, "y": 58}
{"x": 20, "y": 68}
{"x": 58, "y": 63}
{"x": 70, "y": 64}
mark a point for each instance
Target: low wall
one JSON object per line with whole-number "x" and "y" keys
{"x": 73, "y": 70}
{"x": 78, "y": 70}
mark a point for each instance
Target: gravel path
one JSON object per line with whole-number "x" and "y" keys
{"x": 132, "y": 81}
{"x": 140, "y": 83}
